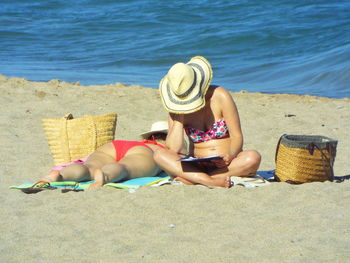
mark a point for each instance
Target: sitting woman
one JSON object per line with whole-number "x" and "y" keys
{"x": 115, "y": 161}
{"x": 209, "y": 117}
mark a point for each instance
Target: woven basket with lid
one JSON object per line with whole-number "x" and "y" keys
{"x": 305, "y": 158}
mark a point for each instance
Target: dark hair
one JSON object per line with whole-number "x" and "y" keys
{"x": 157, "y": 136}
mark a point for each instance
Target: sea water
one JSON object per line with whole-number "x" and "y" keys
{"x": 271, "y": 46}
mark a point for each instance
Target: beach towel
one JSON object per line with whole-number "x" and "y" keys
{"x": 142, "y": 181}
{"x": 249, "y": 182}
{"x": 262, "y": 178}
{"x": 66, "y": 186}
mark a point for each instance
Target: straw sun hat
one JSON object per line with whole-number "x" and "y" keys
{"x": 184, "y": 87}
{"x": 157, "y": 127}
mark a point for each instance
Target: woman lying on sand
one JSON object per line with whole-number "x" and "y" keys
{"x": 209, "y": 117}
{"x": 116, "y": 161}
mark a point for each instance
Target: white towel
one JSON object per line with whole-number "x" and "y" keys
{"x": 250, "y": 182}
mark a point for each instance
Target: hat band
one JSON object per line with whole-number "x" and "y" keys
{"x": 200, "y": 70}
{"x": 185, "y": 94}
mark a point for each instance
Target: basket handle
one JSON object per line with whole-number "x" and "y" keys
{"x": 64, "y": 136}
{"x": 278, "y": 147}
{"x": 330, "y": 160}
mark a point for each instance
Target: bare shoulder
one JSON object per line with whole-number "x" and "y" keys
{"x": 222, "y": 94}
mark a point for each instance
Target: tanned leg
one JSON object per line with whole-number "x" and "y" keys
{"x": 138, "y": 162}
{"x": 53, "y": 176}
{"x": 74, "y": 172}
{"x": 113, "y": 172}
{"x": 244, "y": 165}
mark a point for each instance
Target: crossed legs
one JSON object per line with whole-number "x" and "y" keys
{"x": 187, "y": 173}
{"x": 245, "y": 164}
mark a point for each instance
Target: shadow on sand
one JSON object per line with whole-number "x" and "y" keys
{"x": 340, "y": 179}
{"x": 270, "y": 174}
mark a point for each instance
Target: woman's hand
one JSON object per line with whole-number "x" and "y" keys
{"x": 226, "y": 160}
{"x": 223, "y": 162}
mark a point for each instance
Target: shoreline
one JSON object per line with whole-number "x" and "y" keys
{"x": 275, "y": 223}
{"x": 77, "y": 83}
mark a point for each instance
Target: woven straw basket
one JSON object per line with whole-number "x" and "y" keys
{"x": 70, "y": 138}
{"x": 305, "y": 158}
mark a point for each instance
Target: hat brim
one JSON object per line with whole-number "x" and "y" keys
{"x": 195, "y": 100}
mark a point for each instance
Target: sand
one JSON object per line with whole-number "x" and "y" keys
{"x": 276, "y": 223}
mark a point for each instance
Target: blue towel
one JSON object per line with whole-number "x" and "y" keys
{"x": 129, "y": 184}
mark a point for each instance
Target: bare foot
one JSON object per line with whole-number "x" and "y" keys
{"x": 99, "y": 179}
{"x": 53, "y": 176}
{"x": 222, "y": 182}
{"x": 228, "y": 182}
{"x": 96, "y": 184}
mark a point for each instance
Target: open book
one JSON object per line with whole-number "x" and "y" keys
{"x": 189, "y": 158}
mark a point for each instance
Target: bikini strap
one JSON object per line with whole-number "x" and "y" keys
{"x": 154, "y": 142}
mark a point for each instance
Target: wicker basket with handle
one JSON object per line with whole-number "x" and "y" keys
{"x": 70, "y": 138}
{"x": 305, "y": 158}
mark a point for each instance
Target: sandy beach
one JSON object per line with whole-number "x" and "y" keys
{"x": 171, "y": 223}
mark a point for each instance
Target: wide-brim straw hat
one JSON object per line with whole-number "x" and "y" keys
{"x": 157, "y": 127}
{"x": 184, "y": 87}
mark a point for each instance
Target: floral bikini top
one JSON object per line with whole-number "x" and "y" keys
{"x": 217, "y": 131}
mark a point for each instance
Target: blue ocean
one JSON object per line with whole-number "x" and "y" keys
{"x": 271, "y": 46}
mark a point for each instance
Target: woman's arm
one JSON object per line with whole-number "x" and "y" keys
{"x": 175, "y": 137}
{"x": 231, "y": 116}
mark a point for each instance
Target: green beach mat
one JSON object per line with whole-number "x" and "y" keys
{"x": 138, "y": 182}
{"x": 28, "y": 187}
{"x": 81, "y": 186}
